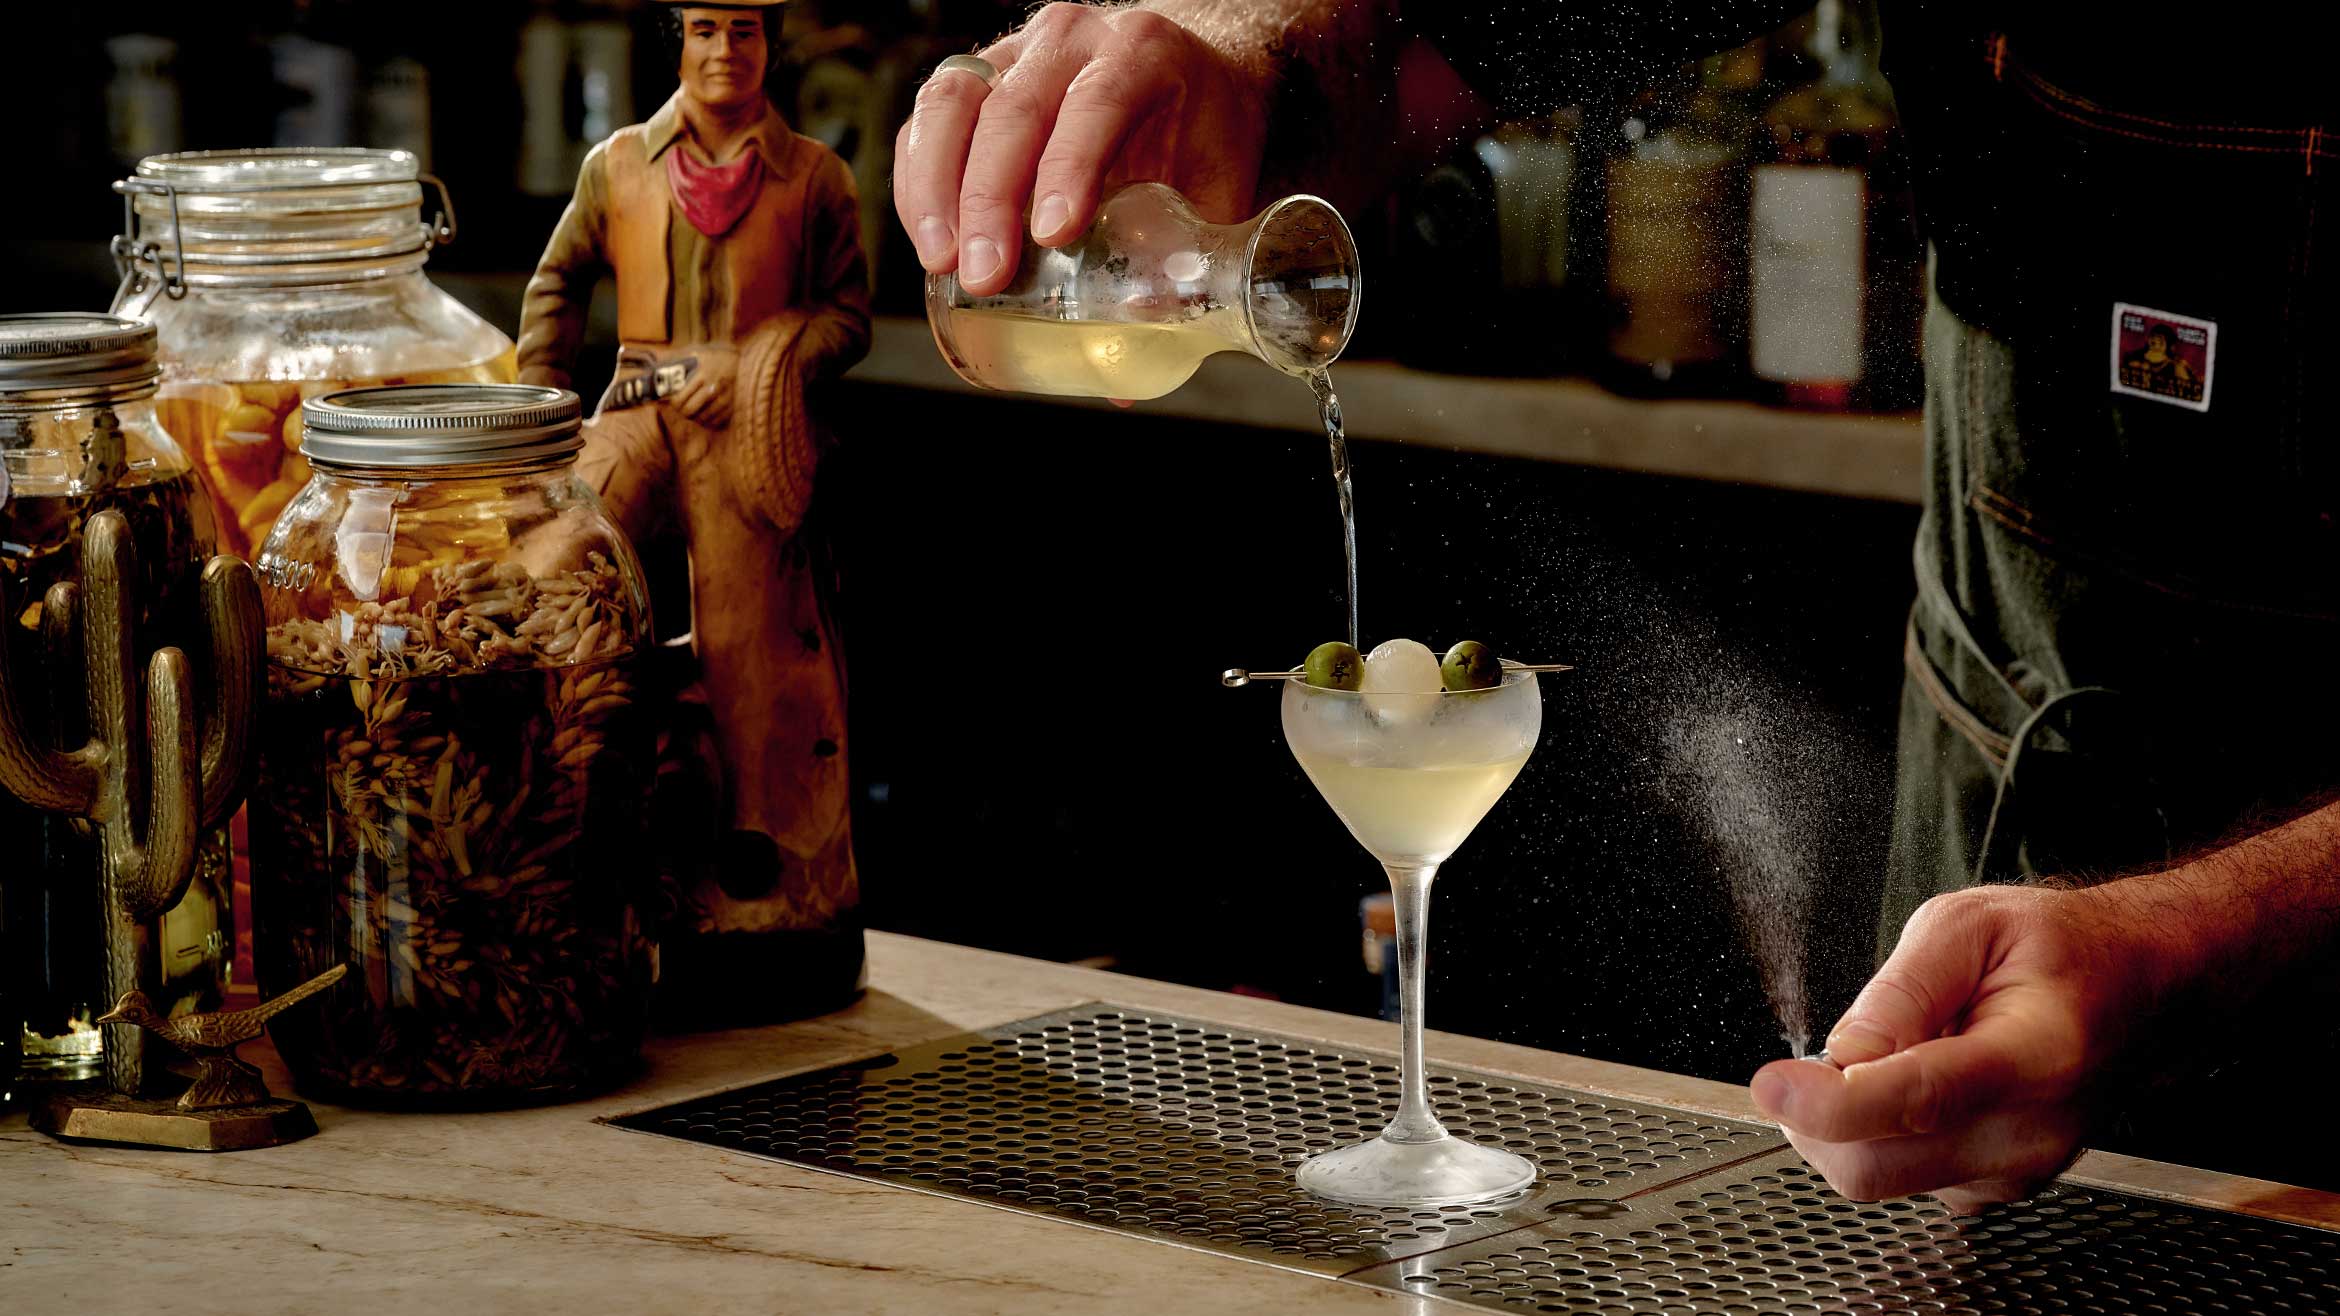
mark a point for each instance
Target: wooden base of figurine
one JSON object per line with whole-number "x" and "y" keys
{"x": 158, "y": 1122}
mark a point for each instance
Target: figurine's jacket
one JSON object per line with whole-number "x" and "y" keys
{"x": 763, "y": 259}
{"x": 786, "y": 286}
{"x": 797, "y": 248}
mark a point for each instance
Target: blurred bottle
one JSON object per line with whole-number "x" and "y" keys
{"x": 1833, "y": 254}
{"x": 576, "y": 78}
{"x": 398, "y": 107}
{"x": 605, "y": 83}
{"x": 1444, "y": 255}
{"x": 1484, "y": 252}
{"x": 142, "y": 98}
{"x": 1677, "y": 215}
{"x": 547, "y": 161}
{"x": 1377, "y": 919}
{"x": 318, "y": 73}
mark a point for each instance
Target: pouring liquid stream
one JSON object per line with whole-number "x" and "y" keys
{"x": 1329, "y": 407}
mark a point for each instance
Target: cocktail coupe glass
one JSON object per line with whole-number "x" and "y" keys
{"x": 1411, "y": 775}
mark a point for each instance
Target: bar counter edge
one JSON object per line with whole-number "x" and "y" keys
{"x": 548, "y": 1209}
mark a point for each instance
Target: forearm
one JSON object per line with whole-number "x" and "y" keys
{"x": 1345, "y": 116}
{"x": 2241, "y": 927}
{"x": 1269, "y": 38}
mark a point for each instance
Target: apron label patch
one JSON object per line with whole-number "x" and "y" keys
{"x": 2161, "y": 356}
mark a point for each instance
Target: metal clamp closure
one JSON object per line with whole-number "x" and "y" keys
{"x": 440, "y": 228}
{"x": 131, "y": 254}
{"x": 147, "y": 268}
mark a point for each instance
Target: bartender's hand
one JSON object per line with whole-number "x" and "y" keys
{"x": 1967, "y": 1061}
{"x": 1087, "y": 97}
{"x": 706, "y": 396}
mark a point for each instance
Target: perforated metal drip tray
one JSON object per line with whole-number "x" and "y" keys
{"x": 1189, "y": 1132}
{"x": 1770, "y": 1237}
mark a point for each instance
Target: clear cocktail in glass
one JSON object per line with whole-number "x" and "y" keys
{"x": 1411, "y": 774}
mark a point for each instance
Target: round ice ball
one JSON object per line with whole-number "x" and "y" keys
{"x": 1401, "y": 681}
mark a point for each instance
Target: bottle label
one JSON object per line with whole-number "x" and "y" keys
{"x": 1669, "y": 257}
{"x": 1807, "y": 273}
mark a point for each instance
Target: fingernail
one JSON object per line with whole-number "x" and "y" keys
{"x": 977, "y": 260}
{"x": 1049, "y": 216}
{"x": 1862, "y": 1041}
{"x": 1771, "y": 1095}
{"x": 933, "y": 239}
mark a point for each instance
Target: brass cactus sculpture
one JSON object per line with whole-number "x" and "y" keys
{"x": 156, "y": 770}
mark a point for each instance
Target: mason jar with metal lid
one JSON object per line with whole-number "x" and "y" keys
{"x": 78, "y": 436}
{"x": 454, "y": 773}
{"x": 275, "y": 275}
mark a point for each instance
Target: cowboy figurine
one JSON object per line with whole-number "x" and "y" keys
{"x": 735, "y": 247}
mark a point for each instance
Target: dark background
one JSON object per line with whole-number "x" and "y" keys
{"x": 1039, "y": 599}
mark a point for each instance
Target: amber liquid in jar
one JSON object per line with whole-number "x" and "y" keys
{"x": 246, "y": 434}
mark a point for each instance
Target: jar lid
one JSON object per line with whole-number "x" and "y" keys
{"x": 221, "y": 210}
{"x": 275, "y": 181}
{"x": 415, "y": 426}
{"x": 41, "y": 351}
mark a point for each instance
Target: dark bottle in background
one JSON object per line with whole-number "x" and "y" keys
{"x": 1445, "y": 262}
{"x": 52, "y": 980}
{"x": 1485, "y": 259}
{"x": 1676, "y": 178}
{"x": 317, "y": 73}
{"x": 1833, "y": 261}
{"x": 1534, "y": 165}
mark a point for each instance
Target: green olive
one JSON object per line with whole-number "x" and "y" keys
{"x": 1334, "y": 665}
{"x": 1470, "y": 665}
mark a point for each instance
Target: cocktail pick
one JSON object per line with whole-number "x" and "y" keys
{"x": 1235, "y": 678}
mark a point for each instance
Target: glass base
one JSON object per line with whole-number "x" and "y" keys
{"x": 1448, "y": 1172}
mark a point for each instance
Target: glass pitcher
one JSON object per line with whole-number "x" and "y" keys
{"x": 1129, "y": 309}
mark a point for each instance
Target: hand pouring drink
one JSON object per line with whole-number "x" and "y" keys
{"x": 1130, "y": 309}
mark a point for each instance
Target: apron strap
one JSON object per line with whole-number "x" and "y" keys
{"x": 1940, "y": 609}
{"x": 1987, "y": 853}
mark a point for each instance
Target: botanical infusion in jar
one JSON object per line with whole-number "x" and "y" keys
{"x": 275, "y": 275}
{"x": 454, "y": 769}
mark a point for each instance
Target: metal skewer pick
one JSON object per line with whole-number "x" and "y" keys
{"x": 1235, "y": 678}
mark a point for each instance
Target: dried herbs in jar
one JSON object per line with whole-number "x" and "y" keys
{"x": 453, "y": 766}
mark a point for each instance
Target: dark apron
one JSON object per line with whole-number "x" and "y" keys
{"x": 2128, "y": 619}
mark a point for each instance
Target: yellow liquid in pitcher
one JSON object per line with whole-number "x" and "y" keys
{"x": 246, "y": 435}
{"x": 1078, "y": 358}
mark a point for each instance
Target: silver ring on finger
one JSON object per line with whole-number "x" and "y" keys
{"x": 980, "y": 67}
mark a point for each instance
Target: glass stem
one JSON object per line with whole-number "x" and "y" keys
{"x": 1410, "y": 889}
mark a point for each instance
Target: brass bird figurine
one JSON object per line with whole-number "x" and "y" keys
{"x": 221, "y": 1079}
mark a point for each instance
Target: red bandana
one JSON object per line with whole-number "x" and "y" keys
{"x": 713, "y": 197}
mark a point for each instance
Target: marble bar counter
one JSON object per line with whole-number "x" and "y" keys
{"x": 551, "y": 1210}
